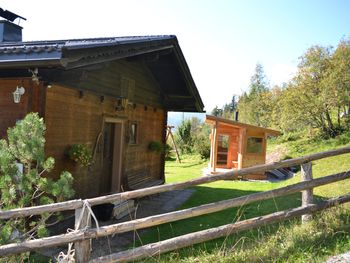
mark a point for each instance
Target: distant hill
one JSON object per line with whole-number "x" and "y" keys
{"x": 175, "y": 118}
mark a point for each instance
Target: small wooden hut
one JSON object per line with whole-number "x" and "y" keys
{"x": 236, "y": 145}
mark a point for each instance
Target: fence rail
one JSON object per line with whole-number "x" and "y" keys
{"x": 82, "y": 236}
{"x": 213, "y": 233}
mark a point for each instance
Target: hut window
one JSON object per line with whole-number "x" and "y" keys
{"x": 133, "y": 133}
{"x": 254, "y": 145}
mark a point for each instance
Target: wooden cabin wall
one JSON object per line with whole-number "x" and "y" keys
{"x": 252, "y": 159}
{"x": 30, "y": 101}
{"x": 234, "y": 142}
{"x": 106, "y": 79}
{"x": 71, "y": 120}
{"x": 74, "y": 117}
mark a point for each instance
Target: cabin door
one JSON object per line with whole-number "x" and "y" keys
{"x": 112, "y": 157}
{"x": 222, "y": 157}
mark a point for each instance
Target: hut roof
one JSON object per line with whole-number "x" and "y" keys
{"x": 162, "y": 55}
{"x": 212, "y": 119}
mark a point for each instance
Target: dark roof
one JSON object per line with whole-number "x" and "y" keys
{"x": 14, "y": 54}
{"x": 171, "y": 71}
{"x": 10, "y": 16}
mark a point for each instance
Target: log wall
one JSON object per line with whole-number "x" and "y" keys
{"x": 71, "y": 120}
{"x": 11, "y": 112}
{"x": 252, "y": 159}
{"x": 75, "y": 108}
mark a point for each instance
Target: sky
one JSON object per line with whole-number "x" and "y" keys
{"x": 222, "y": 41}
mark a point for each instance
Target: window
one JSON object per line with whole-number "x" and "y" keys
{"x": 254, "y": 145}
{"x": 133, "y": 133}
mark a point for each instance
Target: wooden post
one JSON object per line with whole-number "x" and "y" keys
{"x": 215, "y": 147}
{"x": 306, "y": 195}
{"x": 169, "y": 132}
{"x": 82, "y": 248}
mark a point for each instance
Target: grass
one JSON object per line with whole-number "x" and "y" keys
{"x": 267, "y": 244}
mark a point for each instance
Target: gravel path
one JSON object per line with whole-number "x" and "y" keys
{"x": 342, "y": 258}
{"x": 147, "y": 206}
{"x": 152, "y": 205}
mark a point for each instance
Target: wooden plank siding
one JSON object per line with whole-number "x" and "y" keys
{"x": 252, "y": 159}
{"x": 239, "y": 134}
{"x": 30, "y": 101}
{"x": 106, "y": 79}
{"x": 72, "y": 118}
{"x": 74, "y": 113}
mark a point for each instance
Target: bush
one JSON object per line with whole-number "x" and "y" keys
{"x": 202, "y": 146}
{"x": 168, "y": 151}
{"x": 27, "y": 187}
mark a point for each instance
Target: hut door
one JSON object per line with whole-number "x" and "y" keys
{"x": 112, "y": 158}
{"x": 222, "y": 150}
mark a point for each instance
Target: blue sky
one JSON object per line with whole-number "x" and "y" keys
{"x": 221, "y": 40}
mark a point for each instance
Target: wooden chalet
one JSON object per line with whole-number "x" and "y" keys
{"x": 236, "y": 145}
{"x": 112, "y": 94}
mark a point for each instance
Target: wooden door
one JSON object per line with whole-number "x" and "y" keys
{"x": 107, "y": 164}
{"x": 222, "y": 151}
{"x": 110, "y": 177}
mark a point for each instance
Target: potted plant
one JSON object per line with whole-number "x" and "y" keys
{"x": 80, "y": 153}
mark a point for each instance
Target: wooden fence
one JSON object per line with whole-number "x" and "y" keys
{"x": 83, "y": 233}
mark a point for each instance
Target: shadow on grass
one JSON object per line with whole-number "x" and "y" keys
{"x": 204, "y": 195}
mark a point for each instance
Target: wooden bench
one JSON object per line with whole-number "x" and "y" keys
{"x": 141, "y": 179}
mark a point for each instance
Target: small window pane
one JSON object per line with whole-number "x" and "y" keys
{"x": 254, "y": 145}
{"x": 133, "y": 133}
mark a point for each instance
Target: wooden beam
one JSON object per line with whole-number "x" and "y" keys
{"x": 164, "y": 218}
{"x": 119, "y": 197}
{"x": 215, "y": 146}
{"x": 155, "y": 249}
{"x": 176, "y": 96}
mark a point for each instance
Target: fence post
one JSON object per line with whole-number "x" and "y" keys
{"x": 82, "y": 248}
{"x": 306, "y": 195}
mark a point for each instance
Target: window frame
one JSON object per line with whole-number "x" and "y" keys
{"x": 261, "y": 150}
{"x": 133, "y": 138}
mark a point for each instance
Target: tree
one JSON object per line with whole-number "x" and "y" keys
{"x": 201, "y": 143}
{"x": 254, "y": 106}
{"x": 28, "y": 186}
{"x": 183, "y": 136}
{"x": 216, "y": 112}
{"x": 258, "y": 82}
{"x": 339, "y": 79}
{"x": 313, "y": 96}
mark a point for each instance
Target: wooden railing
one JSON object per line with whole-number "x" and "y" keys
{"x": 83, "y": 233}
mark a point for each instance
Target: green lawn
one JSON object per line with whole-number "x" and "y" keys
{"x": 255, "y": 240}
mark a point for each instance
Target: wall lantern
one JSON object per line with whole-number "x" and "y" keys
{"x": 121, "y": 104}
{"x": 17, "y": 94}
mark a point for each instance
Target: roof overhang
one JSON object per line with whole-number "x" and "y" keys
{"x": 169, "y": 69}
{"x": 213, "y": 120}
